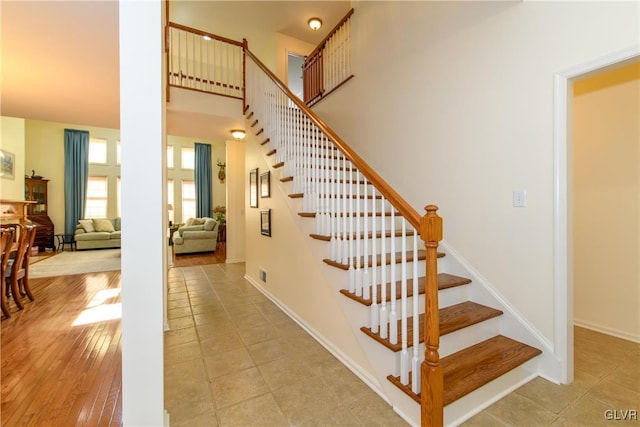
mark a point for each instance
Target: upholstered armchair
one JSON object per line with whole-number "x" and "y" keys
{"x": 196, "y": 235}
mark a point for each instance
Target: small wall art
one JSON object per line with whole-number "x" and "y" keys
{"x": 253, "y": 188}
{"x": 7, "y": 165}
{"x": 265, "y": 222}
{"x": 265, "y": 184}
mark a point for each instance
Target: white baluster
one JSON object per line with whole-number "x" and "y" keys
{"x": 352, "y": 284}
{"x": 375, "y": 309}
{"x": 384, "y": 310}
{"x": 393, "y": 314}
{"x": 415, "y": 361}
{"x": 366, "y": 289}
{"x": 358, "y": 220}
{"x": 404, "y": 354}
{"x": 339, "y": 212}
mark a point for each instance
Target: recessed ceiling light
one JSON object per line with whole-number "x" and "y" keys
{"x": 315, "y": 23}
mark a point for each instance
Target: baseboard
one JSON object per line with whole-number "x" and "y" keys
{"x": 369, "y": 380}
{"x": 167, "y": 419}
{"x": 608, "y": 331}
{"x": 233, "y": 261}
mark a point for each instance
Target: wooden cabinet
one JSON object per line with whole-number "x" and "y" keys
{"x": 36, "y": 190}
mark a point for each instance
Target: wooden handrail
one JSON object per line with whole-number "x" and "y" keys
{"x": 403, "y": 207}
{"x": 431, "y": 375}
{"x": 328, "y": 36}
{"x": 204, "y": 33}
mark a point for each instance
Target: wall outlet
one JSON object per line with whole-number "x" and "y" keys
{"x": 263, "y": 275}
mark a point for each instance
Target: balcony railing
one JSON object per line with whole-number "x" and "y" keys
{"x": 204, "y": 62}
{"x": 329, "y": 65}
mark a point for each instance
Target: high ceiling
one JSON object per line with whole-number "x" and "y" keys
{"x": 60, "y": 58}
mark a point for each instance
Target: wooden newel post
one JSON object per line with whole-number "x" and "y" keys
{"x": 431, "y": 378}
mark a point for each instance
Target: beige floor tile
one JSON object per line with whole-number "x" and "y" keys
{"x": 268, "y": 351}
{"x": 224, "y": 363}
{"x": 483, "y": 419}
{"x": 212, "y": 345}
{"x": 237, "y": 387}
{"x": 183, "y": 352}
{"x": 517, "y": 410}
{"x": 259, "y": 411}
{"x": 209, "y": 307}
{"x": 616, "y": 396}
{"x": 206, "y": 419}
{"x": 248, "y": 320}
{"x": 556, "y": 397}
{"x": 178, "y": 303}
{"x": 587, "y": 411}
{"x": 257, "y": 333}
{"x": 174, "y": 313}
{"x": 210, "y": 318}
{"x": 302, "y": 395}
{"x": 180, "y": 336}
{"x": 219, "y": 328}
{"x": 181, "y": 323}
{"x": 371, "y": 410}
{"x": 283, "y": 372}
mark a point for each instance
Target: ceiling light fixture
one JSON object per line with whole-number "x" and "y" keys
{"x": 237, "y": 133}
{"x": 207, "y": 38}
{"x": 315, "y": 23}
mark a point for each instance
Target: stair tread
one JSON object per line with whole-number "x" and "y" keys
{"x": 452, "y": 318}
{"x": 422, "y": 255}
{"x": 445, "y": 281}
{"x": 471, "y": 368}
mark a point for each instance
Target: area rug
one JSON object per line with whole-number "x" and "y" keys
{"x": 77, "y": 262}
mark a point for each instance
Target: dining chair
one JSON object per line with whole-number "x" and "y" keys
{"x": 25, "y": 290}
{"x": 6, "y": 243}
{"x": 16, "y": 272}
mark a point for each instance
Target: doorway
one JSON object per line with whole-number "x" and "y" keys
{"x": 294, "y": 73}
{"x": 564, "y": 199}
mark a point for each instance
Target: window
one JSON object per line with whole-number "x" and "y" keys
{"x": 188, "y": 200}
{"x": 170, "y": 156}
{"x": 118, "y": 152}
{"x": 98, "y": 151}
{"x": 170, "y": 200}
{"x": 188, "y": 158}
{"x": 96, "y": 206}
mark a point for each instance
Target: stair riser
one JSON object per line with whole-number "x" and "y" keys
{"x": 361, "y": 243}
{"x": 344, "y": 224}
{"x": 379, "y": 279}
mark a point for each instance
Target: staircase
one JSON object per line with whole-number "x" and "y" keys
{"x": 375, "y": 244}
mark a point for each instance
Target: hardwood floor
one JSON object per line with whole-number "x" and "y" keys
{"x": 61, "y": 355}
{"x": 201, "y": 258}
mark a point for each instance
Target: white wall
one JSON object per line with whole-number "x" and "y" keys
{"x": 606, "y": 113}
{"x": 235, "y": 202}
{"x": 455, "y": 108}
{"x": 12, "y": 134}
{"x": 144, "y": 224}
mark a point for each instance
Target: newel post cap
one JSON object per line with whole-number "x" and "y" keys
{"x": 431, "y": 225}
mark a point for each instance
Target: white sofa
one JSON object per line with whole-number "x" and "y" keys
{"x": 196, "y": 235}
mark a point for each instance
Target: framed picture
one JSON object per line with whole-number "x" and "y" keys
{"x": 265, "y": 222}
{"x": 7, "y": 165}
{"x": 265, "y": 184}
{"x": 253, "y": 188}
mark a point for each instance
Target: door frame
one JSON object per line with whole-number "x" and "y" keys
{"x": 563, "y": 198}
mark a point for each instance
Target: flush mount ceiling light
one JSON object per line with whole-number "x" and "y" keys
{"x": 315, "y": 23}
{"x": 207, "y": 38}
{"x": 237, "y": 133}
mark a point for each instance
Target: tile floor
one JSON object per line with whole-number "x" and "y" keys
{"x": 232, "y": 358}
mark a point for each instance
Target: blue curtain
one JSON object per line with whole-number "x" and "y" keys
{"x": 203, "y": 179}
{"x": 76, "y": 174}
